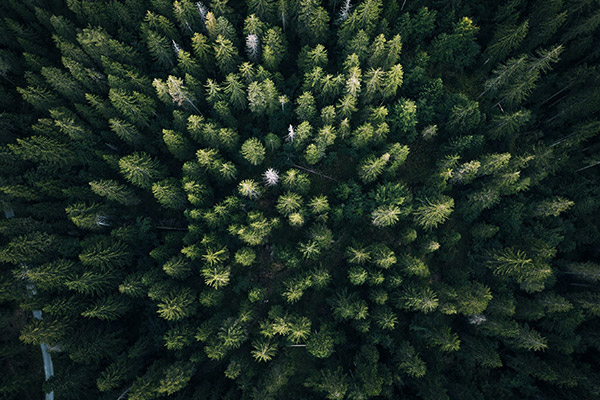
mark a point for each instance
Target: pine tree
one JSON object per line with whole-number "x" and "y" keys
{"x": 86, "y": 216}
{"x": 430, "y": 214}
{"x": 516, "y": 264}
{"x": 372, "y": 167}
{"x": 263, "y": 351}
{"x": 273, "y": 48}
{"x": 43, "y": 331}
{"x": 62, "y": 83}
{"x": 507, "y": 38}
{"x": 363, "y": 18}
{"x": 136, "y": 107}
{"x": 43, "y": 150}
{"x": 517, "y": 78}
{"x": 264, "y": 9}
{"x": 176, "y": 377}
{"x": 386, "y": 215}
{"x": 553, "y": 207}
{"x": 140, "y": 169}
{"x": 216, "y": 276}
{"x": 232, "y": 334}
{"x": 249, "y": 188}
{"x": 169, "y": 193}
{"x": 334, "y": 383}
{"x": 320, "y": 344}
{"x": 313, "y": 21}
{"x": 110, "y": 308}
{"x": 405, "y": 116}
{"x": 29, "y": 248}
{"x": 394, "y": 80}
{"x": 106, "y": 255}
{"x": 289, "y": 203}
{"x": 177, "y": 304}
{"x": 458, "y": 48}
{"x": 256, "y": 230}
{"x": 115, "y": 191}
{"x": 235, "y": 90}
{"x": 176, "y": 89}
{"x": 112, "y": 376}
{"x": 253, "y": 151}
{"x": 306, "y": 107}
{"x": 410, "y": 362}
{"x": 202, "y": 49}
{"x": 530, "y": 339}
{"x": 420, "y": 299}
{"x": 177, "y": 267}
{"x": 126, "y": 131}
{"x": 187, "y": 16}
{"x": 51, "y": 275}
{"x": 225, "y": 55}
{"x": 178, "y": 337}
{"x": 299, "y": 330}
{"x": 177, "y": 144}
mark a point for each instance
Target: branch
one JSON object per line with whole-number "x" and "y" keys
{"x": 312, "y": 171}
{"x": 556, "y": 94}
{"x": 124, "y": 393}
{"x": 589, "y": 166}
{"x": 171, "y": 228}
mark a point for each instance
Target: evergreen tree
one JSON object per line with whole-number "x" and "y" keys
{"x": 253, "y": 151}
{"x": 110, "y": 308}
{"x": 136, "y": 107}
{"x": 508, "y": 37}
{"x": 169, "y": 193}
{"x": 225, "y": 55}
{"x": 126, "y": 131}
{"x": 273, "y": 49}
{"x": 115, "y": 191}
{"x": 140, "y": 169}
{"x": 431, "y": 214}
{"x": 105, "y": 255}
{"x": 177, "y": 304}
{"x": 313, "y": 21}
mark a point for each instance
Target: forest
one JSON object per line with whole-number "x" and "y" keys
{"x": 299, "y": 199}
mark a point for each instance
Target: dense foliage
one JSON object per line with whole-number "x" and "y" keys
{"x": 300, "y": 199}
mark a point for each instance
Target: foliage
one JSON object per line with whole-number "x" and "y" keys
{"x": 265, "y": 199}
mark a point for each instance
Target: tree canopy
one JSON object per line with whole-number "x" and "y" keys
{"x": 260, "y": 199}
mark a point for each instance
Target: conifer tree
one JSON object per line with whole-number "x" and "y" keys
{"x": 169, "y": 193}
{"x": 508, "y": 37}
{"x": 110, "y": 308}
{"x": 225, "y": 54}
{"x": 86, "y": 216}
{"x": 135, "y": 107}
{"x": 105, "y": 255}
{"x": 253, "y": 151}
{"x": 140, "y": 169}
{"x": 459, "y": 47}
{"x": 372, "y": 167}
{"x": 273, "y": 49}
{"x": 431, "y": 214}
{"x": 177, "y": 304}
{"x": 115, "y": 191}
{"x": 313, "y": 21}
{"x": 126, "y": 131}
{"x": 43, "y": 149}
